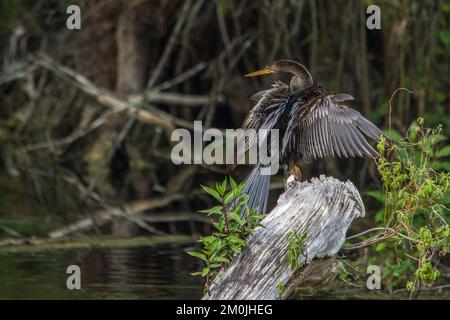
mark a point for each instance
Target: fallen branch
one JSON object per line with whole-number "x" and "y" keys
{"x": 174, "y": 217}
{"x": 103, "y": 216}
{"x": 18, "y": 74}
{"x": 172, "y": 98}
{"x": 107, "y": 98}
{"x": 77, "y": 134}
{"x": 323, "y": 210}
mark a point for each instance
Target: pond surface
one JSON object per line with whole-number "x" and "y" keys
{"x": 157, "y": 271}
{"x": 144, "y": 272}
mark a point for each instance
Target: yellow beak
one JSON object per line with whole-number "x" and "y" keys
{"x": 259, "y": 73}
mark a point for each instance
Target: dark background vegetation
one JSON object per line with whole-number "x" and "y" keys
{"x": 55, "y": 170}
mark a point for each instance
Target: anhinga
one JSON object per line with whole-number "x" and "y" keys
{"x": 312, "y": 122}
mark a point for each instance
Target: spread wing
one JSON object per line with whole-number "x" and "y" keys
{"x": 267, "y": 101}
{"x": 327, "y": 127}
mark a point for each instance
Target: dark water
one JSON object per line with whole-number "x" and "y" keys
{"x": 145, "y": 272}
{"x": 160, "y": 272}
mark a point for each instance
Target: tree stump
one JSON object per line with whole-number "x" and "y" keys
{"x": 322, "y": 209}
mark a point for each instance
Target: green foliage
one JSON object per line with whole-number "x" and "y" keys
{"x": 281, "y": 286}
{"x": 295, "y": 248}
{"x": 230, "y": 229}
{"x": 344, "y": 274}
{"x": 416, "y": 197}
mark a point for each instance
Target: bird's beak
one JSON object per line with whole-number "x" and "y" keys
{"x": 259, "y": 73}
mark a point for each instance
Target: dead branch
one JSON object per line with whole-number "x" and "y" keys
{"x": 172, "y": 98}
{"x": 174, "y": 217}
{"x": 104, "y": 96}
{"x": 186, "y": 75}
{"x": 170, "y": 44}
{"x": 18, "y": 74}
{"x": 105, "y": 215}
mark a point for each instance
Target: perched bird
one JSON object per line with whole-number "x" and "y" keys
{"x": 312, "y": 124}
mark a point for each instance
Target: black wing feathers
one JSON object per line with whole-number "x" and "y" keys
{"x": 327, "y": 127}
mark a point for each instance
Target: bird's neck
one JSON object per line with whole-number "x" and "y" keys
{"x": 298, "y": 84}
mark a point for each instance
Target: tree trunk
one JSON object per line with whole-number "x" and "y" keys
{"x": 323, "y": 210}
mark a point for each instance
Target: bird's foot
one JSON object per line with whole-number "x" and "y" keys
{"x": 295, "y": 171}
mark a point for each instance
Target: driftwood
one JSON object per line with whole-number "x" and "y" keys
{"x": 323, "y": 210}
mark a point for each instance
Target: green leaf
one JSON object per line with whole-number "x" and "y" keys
{"x": 219, "y": 225}
{"x": 394, "y": 135}
{"x": 436, "y": 138}
{"x": 212, "y": 192}
{"x": 236, "y": 249}
{"x": 444, "y": 36}
{"x": 413, "y": 131}
{"x": 221, "y": 259}
{"x": 222, "y": 187}
{"x": 198, "y": 255}
{"x": 439, "y": 165}
{"x": 232, "y": 183}
{"x": 377, "y": 195}
{"x": 230, "y": 197}
{"x": 217, "y": 210}
{"x": 234, "y": 239}
{"x": 444, "y": 152}
{"x": 205, "y": 272}
{"x": 380, "y": 246}
{"x": 379, "y": 216}
{"x": 235, "y": 217}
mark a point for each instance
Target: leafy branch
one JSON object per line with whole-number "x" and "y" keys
{"x": 415, "y": 197}
{"x": 296, "y": 246}
{"x": 230, "y": 228}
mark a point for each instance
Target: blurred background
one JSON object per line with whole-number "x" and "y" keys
{"x": 86, "y": 117}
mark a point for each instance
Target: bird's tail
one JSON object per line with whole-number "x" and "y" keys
{"x": 257, "y": 187}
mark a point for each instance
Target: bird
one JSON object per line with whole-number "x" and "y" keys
{"x": 312, "y": 123}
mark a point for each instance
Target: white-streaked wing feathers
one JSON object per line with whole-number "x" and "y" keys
{"x": 327, "y": 127}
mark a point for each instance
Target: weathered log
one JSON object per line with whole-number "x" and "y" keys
{"x": 323, "y": 210}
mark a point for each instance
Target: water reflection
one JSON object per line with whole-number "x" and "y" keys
{"x": 161, "y": 272}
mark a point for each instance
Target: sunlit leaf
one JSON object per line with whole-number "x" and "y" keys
{"x": 212, "y": 192}
{"x": 198, "y": 255}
